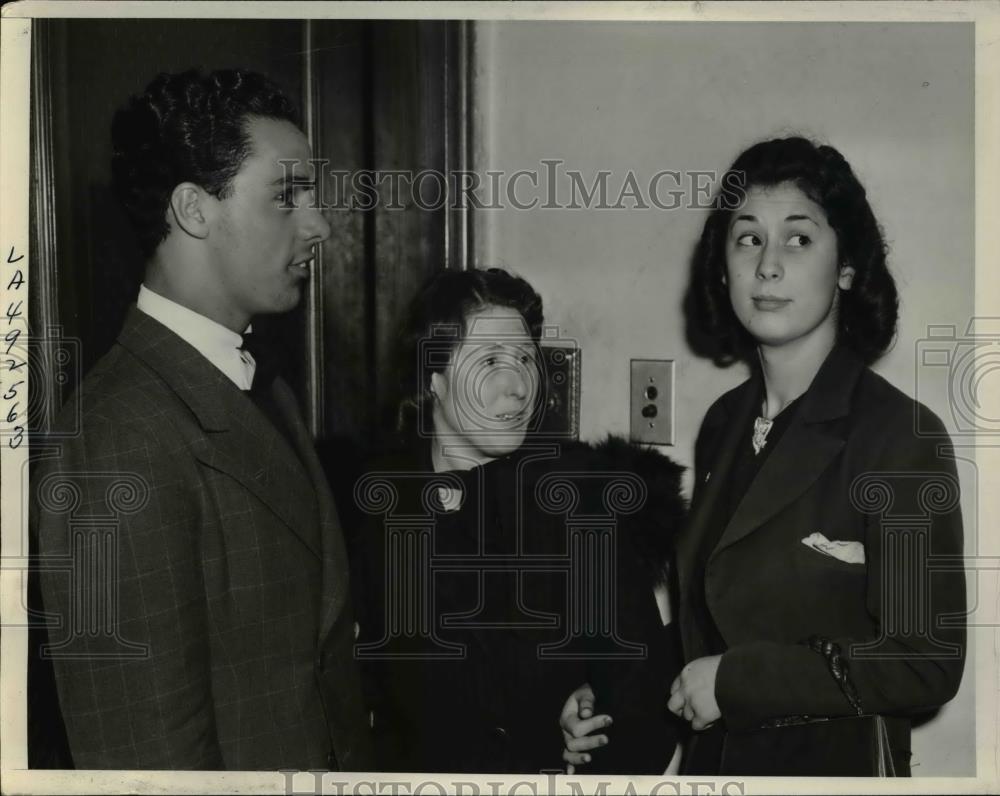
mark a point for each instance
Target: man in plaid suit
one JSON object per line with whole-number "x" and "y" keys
{"x": 202, "y": 619}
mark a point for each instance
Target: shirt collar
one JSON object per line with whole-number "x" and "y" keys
{"x": 219, "y": 345}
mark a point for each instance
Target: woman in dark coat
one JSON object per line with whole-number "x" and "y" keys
{"x": 500, "y": 568}
{"x": 822, "y": 492}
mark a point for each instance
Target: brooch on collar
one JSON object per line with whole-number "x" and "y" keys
{"x": 761, "y": 427}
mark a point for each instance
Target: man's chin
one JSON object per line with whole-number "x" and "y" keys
{"x": 286, "y": 302}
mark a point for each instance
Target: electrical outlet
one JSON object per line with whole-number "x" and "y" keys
{"x": 651, "y": 401}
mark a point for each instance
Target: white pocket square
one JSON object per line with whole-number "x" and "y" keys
{"x": 848, "y": 552}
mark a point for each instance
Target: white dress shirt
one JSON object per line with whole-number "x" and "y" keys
{"x": 219, "y": 345}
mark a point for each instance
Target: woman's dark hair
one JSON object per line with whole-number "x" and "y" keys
{"x": 436, "y": 322}
{"x": 866, "y": 320}
{"x": 187, "y": 127}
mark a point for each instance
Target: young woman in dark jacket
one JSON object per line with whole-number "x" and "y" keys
{"x": 822, "y": 494}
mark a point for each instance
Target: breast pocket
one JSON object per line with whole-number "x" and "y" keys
{"x": 829, "y": 585}
{"x": 850, "y": 552}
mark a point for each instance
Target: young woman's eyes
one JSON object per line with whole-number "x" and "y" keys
{"x": 797, "y": 241}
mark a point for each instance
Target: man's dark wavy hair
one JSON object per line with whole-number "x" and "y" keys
{"x": 866, "y": 321}
{"x": 186, "y": 127}
{"x": 435, "y": 324}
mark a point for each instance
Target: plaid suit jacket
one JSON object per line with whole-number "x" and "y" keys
{"x": 194, "y": 574}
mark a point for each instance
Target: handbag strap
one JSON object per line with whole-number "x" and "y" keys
{"x": 839, "y": 669}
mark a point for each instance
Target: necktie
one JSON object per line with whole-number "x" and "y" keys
{"x": 268, "y": 364}
{"x": 267, "y": 361}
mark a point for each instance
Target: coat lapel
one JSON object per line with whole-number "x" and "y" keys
{"x": 239, "y": 440}
{"x": 330, "y": 541}
{"x": 734, "y": 416}
{"x": 810, "y": 443}
{"x": 801, "y": 456}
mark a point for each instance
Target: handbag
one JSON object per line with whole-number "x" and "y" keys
{"x": 845, "y": 746}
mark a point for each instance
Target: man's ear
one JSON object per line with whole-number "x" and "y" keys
{"x": 189, "y": 209}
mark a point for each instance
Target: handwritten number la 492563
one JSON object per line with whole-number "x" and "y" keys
{"x": 13, "y": 312}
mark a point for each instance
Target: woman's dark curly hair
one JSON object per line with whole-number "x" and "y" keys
{"x": 866, "y": 320}
{"x": 187, "y": 127}
{"x": 436, "y": 322}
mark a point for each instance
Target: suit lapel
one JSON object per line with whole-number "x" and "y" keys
{"x": 802, "y": 454}
{"x": 254, "y": 453}
{"x": 238, "y": 439}
{"x": 734, "y": 417}
{"x": 330, "y": 541}
{"x": 806, "y": 449}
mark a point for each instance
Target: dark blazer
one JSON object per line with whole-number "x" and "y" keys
{"x": 489, "y": 702}
{"x": 229, "y": 639}
{"x": 850, "y": 466}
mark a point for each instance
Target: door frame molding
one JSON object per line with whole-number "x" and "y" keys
{"x": 45, "y": 330}
{"x": 458, "y": 229}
